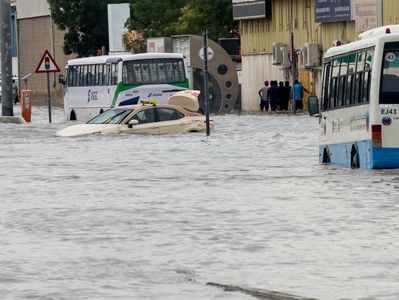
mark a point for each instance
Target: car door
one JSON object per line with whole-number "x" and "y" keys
{"x": 171, "y": 121}
{"x": 147, "y": 122}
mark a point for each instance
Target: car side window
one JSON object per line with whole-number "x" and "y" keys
{"x": 169, "y": 114}
{"x": 145, "y": 116}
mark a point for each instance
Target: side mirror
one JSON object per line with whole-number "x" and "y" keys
{"x": 61, "y": 79}
{"x": 132, "y": 123}
{"x": 313, "y": 108}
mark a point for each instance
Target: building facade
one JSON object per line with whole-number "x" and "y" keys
{"x": 36, "y": 33}
{"x": 310, "y": 23}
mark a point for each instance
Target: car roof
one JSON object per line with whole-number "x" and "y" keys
{"x": 139, "y": 106}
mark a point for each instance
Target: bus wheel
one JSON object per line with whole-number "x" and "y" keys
{"x": 355, "y": 159}
{"x": 326, "y": 157}
{"x": 72, "y": 116}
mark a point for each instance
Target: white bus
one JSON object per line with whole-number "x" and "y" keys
{"x": 96, "y": 84}
{"x": 359, "y": 117}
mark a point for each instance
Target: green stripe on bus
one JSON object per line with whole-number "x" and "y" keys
{"x": 120, "y": 88}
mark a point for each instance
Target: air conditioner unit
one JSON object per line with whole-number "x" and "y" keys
{"x": 313, "y": 55}
{"x": 286, "y": 63}
{"x": 277, "y": 54}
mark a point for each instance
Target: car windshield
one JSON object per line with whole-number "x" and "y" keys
{"x": 112, "y": 116}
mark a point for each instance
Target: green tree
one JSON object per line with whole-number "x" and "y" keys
{"x": 85, "y": 24}
{"x": 216, "y": 15}
{"x": 156, "y": 17}
{"x": 169, "y": 17}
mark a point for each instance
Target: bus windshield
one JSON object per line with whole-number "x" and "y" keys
{"x": 390, "y": 75}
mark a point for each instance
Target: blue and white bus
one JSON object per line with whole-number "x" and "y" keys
{"x": 359, "y": 117}
{"x": 96, "y": 84}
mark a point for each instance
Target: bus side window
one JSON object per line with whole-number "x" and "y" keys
{"x": 82, "y": 75}
{"x": 89, "y": 76}
{"x": 349, "y": 89}
{"x": 162, "y": 72}
{"x": 145, "y": 72}
{"x": 343, "y": 81}
{"x": 326, "y": 81}
{"x": 71, "y": 76}
{"x": 107, "y": 73}
{"x": 100, "y": 74}
{"x": 359, "y": 78}
{"x": 114, "y": 74}
{"x": 137, "y": 73}
{"x": 350, "y": 79}
{"x": 153, "y": 72}
{"x": 367, "y": 75}
{"x": 334, "y": 83}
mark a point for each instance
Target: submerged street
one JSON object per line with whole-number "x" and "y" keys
{"x": 157, "y": 217}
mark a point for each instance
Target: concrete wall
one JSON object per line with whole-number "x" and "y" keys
{"x": 256, "y": 69}
{"x": 34, "y": 36}
{"x": 32, "y": 8}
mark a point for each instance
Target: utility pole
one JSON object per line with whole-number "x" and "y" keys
{"x": 6, "y": 58}
{"x": 206, "y": 84}
{"x": 292, "y": 45}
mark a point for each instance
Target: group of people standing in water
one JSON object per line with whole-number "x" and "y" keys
{"x": 277, "y": 95}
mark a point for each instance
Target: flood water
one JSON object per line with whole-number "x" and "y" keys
{"x": 157, "y": 217}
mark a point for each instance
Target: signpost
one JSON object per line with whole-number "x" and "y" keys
{"x": 48, "y": 65}
{"x": 205, "y": 58}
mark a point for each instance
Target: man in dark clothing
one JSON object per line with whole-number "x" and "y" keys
{"x": 281, "y": 95}
{"x": 264, "y": 94}
{"x": 274, "y": 95}
{"x": 287, "y": 95}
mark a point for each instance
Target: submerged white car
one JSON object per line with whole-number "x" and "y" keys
{"x": 140, "y": 119}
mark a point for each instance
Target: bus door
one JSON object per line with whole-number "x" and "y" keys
{"x": 101, "y": 86}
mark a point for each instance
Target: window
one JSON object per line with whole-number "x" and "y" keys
{"x": 341, "y": 94}
{"x": 390, "y": 74}
{"x": 72, "y": 77}
{"x": 112, "y": 116}
{"x": 114, "y": 74}
{"x": 334, "y": 83}
{"x": 169, "y": 114}
{"x": 359, "y": 78}
{"x": 90, "y": 75}
{"x": 368, "y": 67}
{"x": 145, "y": 116}
{"x": 347, "y": 79}
{"x": 350, "y": 79}
{"x": 326, "y": 85}
{"x": 154, "y": 71}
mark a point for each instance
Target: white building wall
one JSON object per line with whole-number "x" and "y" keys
{"x": 32, "y": 8}
{"x": 256, "y": 69}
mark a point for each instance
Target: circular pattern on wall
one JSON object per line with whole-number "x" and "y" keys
{"x": 223, "y": 69}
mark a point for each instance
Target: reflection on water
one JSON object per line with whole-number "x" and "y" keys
{"x": 156, "y": 217}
